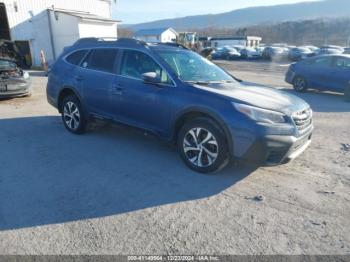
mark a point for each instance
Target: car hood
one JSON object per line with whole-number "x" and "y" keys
{"x": 258, "y": 96}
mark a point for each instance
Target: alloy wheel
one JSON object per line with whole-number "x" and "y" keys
{"x": 71, "y": 115}
{"x": 200, "y": 147}
{"x": 300, "y": 84}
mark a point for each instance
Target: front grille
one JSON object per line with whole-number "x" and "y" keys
{"x": 303, "y": 119}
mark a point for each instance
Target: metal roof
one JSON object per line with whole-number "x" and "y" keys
{"x": 153, "y": 31}
{"x": 85, "y": 15}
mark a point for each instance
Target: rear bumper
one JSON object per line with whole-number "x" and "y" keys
{"x": 273, "y": 150}
{"x": 290, "y": 77}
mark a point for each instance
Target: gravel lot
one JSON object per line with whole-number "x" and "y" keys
{"x": 118, "y": 191}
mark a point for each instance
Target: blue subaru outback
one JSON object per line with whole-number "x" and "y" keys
{"x": 180, "y": 96}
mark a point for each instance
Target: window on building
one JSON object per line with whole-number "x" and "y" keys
{"x": 101, "y": 59}
{"x": 76, "y": 57}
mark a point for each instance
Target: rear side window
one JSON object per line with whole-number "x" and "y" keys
{"x": 76, "y": 57}
{"x": 101, "y": 60}
{"x": 322, "y": 61}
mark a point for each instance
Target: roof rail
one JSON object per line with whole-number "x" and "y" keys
{"x": 131, "y": 41}
{"x": 122, "y": 41}
{"x": 91, "y": 40}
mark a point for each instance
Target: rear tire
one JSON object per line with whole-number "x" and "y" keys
{"x": 73, "y": 116}
{"x": 202, "y": 146}
{"x": 300, "y": 84}
{"x": 347, "y": 93}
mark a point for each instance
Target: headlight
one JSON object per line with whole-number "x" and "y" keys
{"x": 26, "y": 75}
{"x": 261, "y": 115}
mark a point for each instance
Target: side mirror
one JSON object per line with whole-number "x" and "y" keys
{"x": 151, "y": 78}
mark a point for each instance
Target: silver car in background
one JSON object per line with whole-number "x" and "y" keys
{"x": 13, "y": 80}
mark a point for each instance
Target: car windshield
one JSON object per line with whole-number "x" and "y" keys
{"x": 191, "y": 67}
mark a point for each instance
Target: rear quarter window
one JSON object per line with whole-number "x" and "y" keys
{"x": 76, "y": 57}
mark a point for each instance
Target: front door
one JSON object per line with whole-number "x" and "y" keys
{"x": 138, "y": 103}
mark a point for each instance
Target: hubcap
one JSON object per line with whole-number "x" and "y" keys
{"x": 200, "y": 147}
{"x": 71, "y": 115}
{"x": 300, "y": 84}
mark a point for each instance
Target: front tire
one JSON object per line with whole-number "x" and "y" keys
{"x": 73, "y": 115}
{"x": 202, "y": 146}
{"x": 300, "y": 84}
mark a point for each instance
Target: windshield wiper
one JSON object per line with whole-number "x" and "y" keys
{"x": 210, "y": 82}
{"x": 198, "y": 82}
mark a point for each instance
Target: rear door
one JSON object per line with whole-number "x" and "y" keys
{"x": 319, "y": 71}
{"x": 95, "y": 78}
{"x": 340, "y": 76}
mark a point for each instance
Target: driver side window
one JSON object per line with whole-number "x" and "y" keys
{"x": 135, "y": 64}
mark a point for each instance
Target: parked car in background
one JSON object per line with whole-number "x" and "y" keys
{"x": 218, "y": 53}
{"x": 275, "y": 53}
{"x": 207, "y": 52}
{"x": 300, "y": 53}
{"x": 239, "y": 48}
{"x": 250, "y": 53}
{"x": 232, "y": 53}
{"x": 326, "y": 72}
{"x": 282, "y": 45}
{"x": 13, "y": 80}
{"x": 260, "y": 50}
{"x": 225, "y": 53}
{"x": 312, "y": 48}
{"x": 181, "y": 97}
{"x": 330, "y": 50}
{"x": 347, "y": 50}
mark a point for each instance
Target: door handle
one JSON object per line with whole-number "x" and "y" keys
{"x": 118, "y": 89}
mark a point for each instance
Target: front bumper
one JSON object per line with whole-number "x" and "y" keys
{"x": 273, "y": 150}
{"x": 11, "y": 89}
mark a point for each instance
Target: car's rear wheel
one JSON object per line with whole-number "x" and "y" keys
{"x": 73, "y": 115}
{"x": 202, "y": 146}
{"x": 300, "y": 84}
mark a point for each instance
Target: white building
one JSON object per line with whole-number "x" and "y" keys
{"x": 50, "y": 25}
{"x": 248, "y": 41}
{"x": 162, "y": 35}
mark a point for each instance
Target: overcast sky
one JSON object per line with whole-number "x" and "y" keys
{"x": 138, "y": 11}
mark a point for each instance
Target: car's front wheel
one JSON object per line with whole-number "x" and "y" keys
{"x": 300, "y": 84}
{"x": 202, "y": 146}
{"x": 73, "y": 116}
